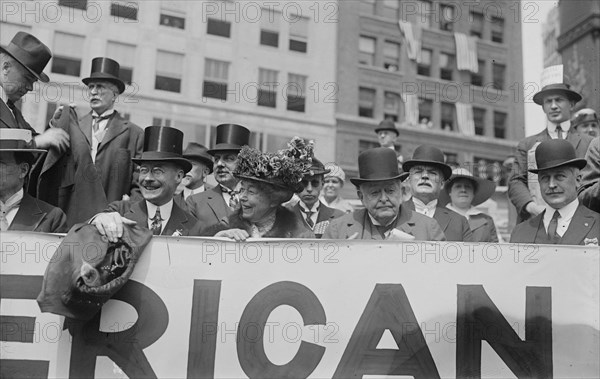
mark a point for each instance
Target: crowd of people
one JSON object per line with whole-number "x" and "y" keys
{"x": 104, "y": 170}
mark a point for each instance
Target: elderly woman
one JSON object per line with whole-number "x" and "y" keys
{"x": 463, "y": 192}
{"x": 267, "y": 181}
{"x": 585, "y": 121}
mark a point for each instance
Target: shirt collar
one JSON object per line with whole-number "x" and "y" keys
{"x": 3, "y": 95}
{"x": 565, "y": 126}
{"x": 189, "y": 192}
{"x": 377, "y": 223}
{"x": 108, "y": 112}
{"x": 315, "y": 207}
{"x": 421, "y": 205}
{"x": 165, "y": 210}
{"x": 565, "y": 212}
{"x": 470, "y": 212}
{"x": 15, "y": 198}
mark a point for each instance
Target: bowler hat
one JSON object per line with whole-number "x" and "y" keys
{"x": 30, "y": 52}
{"x": 556, "y": 153}
{"x": 387, "y": 125}
{"x": 230, "y": 137}
{"x": 584, "y": 116}
{"x": 17, "y": 140}
{"x": 483, "y": 188}
{"x": 199, "y": 153}
{"x": 376, "y": 165}
{"x": 105, "y": 69}
{"x": 430, "y": 156}
{"x": 556, "y": 88}
{"x": 318, "y": 168}
{"x": 163, "y": 143}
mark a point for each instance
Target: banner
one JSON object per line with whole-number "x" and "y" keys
{"x": 320, "y": 309}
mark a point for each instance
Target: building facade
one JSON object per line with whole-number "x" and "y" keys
{"x": 550, "y": 33}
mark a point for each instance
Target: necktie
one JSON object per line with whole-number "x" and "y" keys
{"x": 18, "y": 115}
{"x": 552, "y": 234}
{"x": 4, "y": 209}
{"x": 233, "y": 197}
{"x": 307, "y": 218}
{"x": 97, "y": 120}
{"x": 559, "y": 131}
{"x": 156, "y": 223}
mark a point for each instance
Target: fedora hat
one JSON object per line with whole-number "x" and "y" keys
{"x": 556, "y": 153}
{"x": 230, "y": 137}
{"x": 318, "y": 168}
{"x": 105, "y": 69}
{"x": 556, "y": 88}
{"x": 17, "y": 140}
{"x": 584, "y": 116}
{"x": 376, "y": 165}
{"x": 199, "y": 153}
{"x": 163, "y": 143}
{"x": 483, "y": 188}
{"x": 430, "y": 156}
{"x": 387, "y": 125}
{"x": 30, "y": 52}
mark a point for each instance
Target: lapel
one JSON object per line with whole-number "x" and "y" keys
{"x": 574, "y": 138}
{"x": 325, "y": 213}
{"x": 177, "y": 221}
{"x": 115, "y": 127}
{"x": 7, "y": 116}
{"x": 138, "y": 212}
{"x": 215, "y": 201}
{"x": 405, "y": 221}
{"x": 85, "y": 124}
{"x": 476, "y": 222}
{"x": 28, "y": 216}
{"x": 538, "y": 232}
{"x": 301, "y": 216}
{"x": 580, "y": 226}
{"x": 442, "y": 216}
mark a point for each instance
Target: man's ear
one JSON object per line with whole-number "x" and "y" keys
{"x": 359, "y": 194}
{"x": 24, "y": 167}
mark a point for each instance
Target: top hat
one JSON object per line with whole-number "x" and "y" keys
{"x": 387, "y": 125}
{"x": 335, "y": 171}
{"x": 105, "y": 69}
{"x": 197, "y": 152}
{"x": 318, "y": 168}
{"x": 430, "y": 156}
{"x": 230, "y": 137}
{"x": 163, "y": 143}
{"x": 556, "y": 153}
{"x": 557, "y": 88}
{"x": 483, "y": 188}
{"x": 30, "y": 52}
{"x": 376, "y": 165}
{"x": 17, "y": 140}
{"x": 584, "y": 116}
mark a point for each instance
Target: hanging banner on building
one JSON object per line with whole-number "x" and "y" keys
{"x": 289, "y": 308}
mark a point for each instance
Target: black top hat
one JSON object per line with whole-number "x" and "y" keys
{"x": 556, "y": 153}
{"x": 430, "y": 156}
{"x": 560, "y": 88}
{"x": 163, "y": 143}
{"x": 483, "y": 189}
{"x": 30, "y": 52}
{"x": 376, "y": 165}
{"x": 197, "y": 152}
{"x": 17, "y": 140}
{"x": 387, "y": 125}
{"x": 230, "y": 137}
{"x": 105, "y": 69}
{"x": 318, "y": 168}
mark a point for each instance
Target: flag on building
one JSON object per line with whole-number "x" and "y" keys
{"x": 466, "y": 52}
{"x": 411, "y": 106}
{"x": 464, "y": 115}
{"x": 412, "y": 38}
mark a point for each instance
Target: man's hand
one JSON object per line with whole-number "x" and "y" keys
{"x": 534, "y": 209}
{"x": 53, "y": 138}
{"x": 111, "y": 225}
{"x": 238, "y": 235}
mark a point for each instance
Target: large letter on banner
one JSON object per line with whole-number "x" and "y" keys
{"x": 479, "y": 319}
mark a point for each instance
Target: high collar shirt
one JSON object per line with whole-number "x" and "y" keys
{"x": 566, "y": 215}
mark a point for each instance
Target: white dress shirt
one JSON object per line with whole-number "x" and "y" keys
{"x": 566, "y": 215}
{"x": 425, "y": 209}
{"x": 16, "y": 197}
{"x": 98, "y": 136}
{"x": 189, "y": 192}
{"x": 551, "y": 127}
{"x": 314, "y": 209}
{"x": 165, "y": 213}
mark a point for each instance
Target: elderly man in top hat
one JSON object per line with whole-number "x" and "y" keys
{"x": 427, "y": 174}
{"x": 333, "y": 182}
{"x": 387, "y": 134}
{"x": 216, "y": 204}
{"x": 379, "y": 187}
{"x": 21, "y": 64}
{"x": 589, "y": 192}
{"x": 315, "y": 215}
{"x": 162, "y": 167}
{"x": 585, "y": 121}
{"x": 564, "y": 220}
{"x": 557, "y": 100}
{"x": 19, "y": 210}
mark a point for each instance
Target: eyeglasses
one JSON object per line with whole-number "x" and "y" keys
{"x": 157, "y": 172}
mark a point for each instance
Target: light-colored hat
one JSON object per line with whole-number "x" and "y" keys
{"x": 335, "y": 171}
{"x": 17, "y": 140}
{"x": 483, "y": 188}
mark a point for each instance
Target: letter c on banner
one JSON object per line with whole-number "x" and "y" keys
{"x": 251, "y": 353}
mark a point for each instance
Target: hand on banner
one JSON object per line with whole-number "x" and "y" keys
{"x": 238, "y": 235}
{"x": 534, "y": 209}
{"x": 111, "y": 225}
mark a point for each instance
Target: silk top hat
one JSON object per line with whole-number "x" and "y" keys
{"x": 429, "y": 156}
{"x": 30, "y": 52}
{"x": 17, "y": 140}
{"x": 196, "y": 152}
{"x": 163, "y": 143}
{"x": 318, "y": 168}
{"x": 105, "y": 69}
{"x": 483, "y": 188}
{"x": 230, "y": 137}
{"x": 584, "y": 116}
{"x": 556, "y": 153}
{"x": 387, "y": 125}
{"x": 376, "y": 165}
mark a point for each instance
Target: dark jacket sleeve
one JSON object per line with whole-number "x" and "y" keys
{"x": 589, "y": 192}
{"x": 518, "y": 191}
{"x": 59, "y": 224}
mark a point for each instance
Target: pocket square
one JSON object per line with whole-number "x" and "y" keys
{"x": 399, "y": 235}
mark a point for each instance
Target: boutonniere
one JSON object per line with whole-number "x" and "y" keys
{"x": 178, "y": 233}
{"x": 590, "y": 241}
{"x": 320, "y": 227}
{"x": 398, "y": 235}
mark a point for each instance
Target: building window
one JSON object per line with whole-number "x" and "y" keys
{"x": 391, "y": 106}
{"x": 296, "y": 93}
{"x": 425, "y": 110}
{"x": 391, "y": 56}
{"x": 168, "y": 71}
{"x": 446, "y": 66}
{"x": 124, "y": 9}
{"x": 172, "y": 19}
{"x": 267, "y": 91}
{"x": 497, "y": 29}
{"x": 269, "y": 27}
{"x": 499, "y": 124}
{"x": 216, "y": 76}
{"x": 78, "y": 4}
{"x": 448, "y": 117}
{"x": 451, "y": 159}
{"x": 366, "y": 47}
{"x": 299, "y": 35}
{"x": 217, "y": 27}
{"x": 499, "y": 71}
{"x": 477, "y": 24}
{"x": 66, "y": 54}
{"x": 479, "y": 121}
{"x": 424, "y": 67}
{"x": 447, "y": 17}
{"x": 477, "y": 78}
{"x": 366, "y": 102}
{"x": 125, "y": 55}
{"x": 424, "y": 13}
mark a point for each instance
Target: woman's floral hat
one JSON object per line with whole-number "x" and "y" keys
{"x": 284, "y": 168}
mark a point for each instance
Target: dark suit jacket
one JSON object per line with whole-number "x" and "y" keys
{"x": 7, "y": 119}
{"x": 208, "y": 207}
{"x": 518, "y": 190}
{"x": 454, "y": 226}
{"x": 585, "y": 224}
{"x": 37, "y": 216}
{"x": 421, "y": 227}
{"x": 589, "y": 192}
{"x": 326, "y": 214}
{"x": 137, "y": 211}
{"x": 483, "y": 228}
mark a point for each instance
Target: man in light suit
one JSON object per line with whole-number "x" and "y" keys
{"x": 216, "y": 204}
{"x": 564, "y": 221}
{"x": 379, "y": 187}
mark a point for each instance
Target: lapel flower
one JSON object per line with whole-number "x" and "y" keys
{"x": 178, "y": 233}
